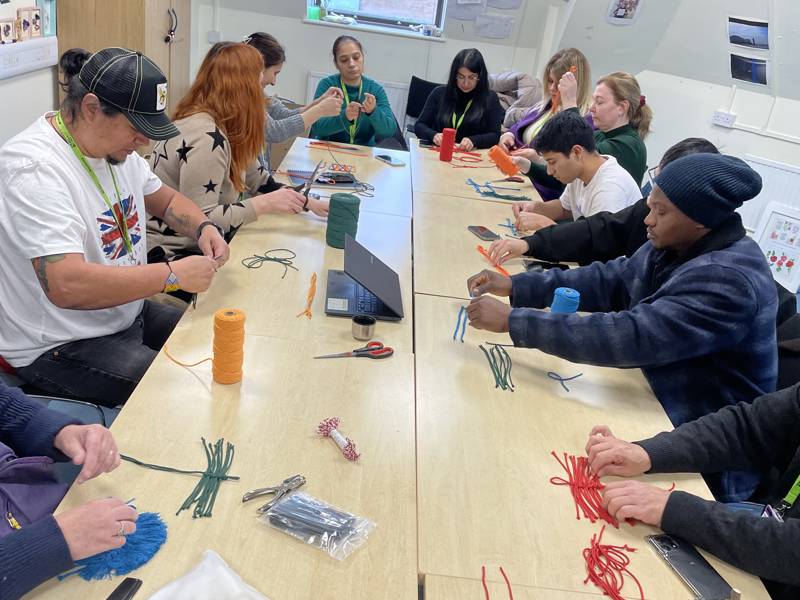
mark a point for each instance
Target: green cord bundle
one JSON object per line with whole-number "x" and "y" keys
{"x": 500, "y": 363}
{"x": 343, "y": 214}
{"x": 205, "y": 492}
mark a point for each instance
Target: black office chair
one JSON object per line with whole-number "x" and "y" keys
{"x": 394, "y": 142}
{"x": 418, "y": 92}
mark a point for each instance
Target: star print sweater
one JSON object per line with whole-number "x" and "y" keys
{"x": 197, "y": 163}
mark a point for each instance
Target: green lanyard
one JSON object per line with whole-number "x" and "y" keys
{"x": 457, "y": 124}
{"x": 119, "y": 220}
{"x": 354, "y": 124}
{"x": 790, "y": 498}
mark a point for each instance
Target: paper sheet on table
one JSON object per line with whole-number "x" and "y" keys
{"x": 212, "y": 579}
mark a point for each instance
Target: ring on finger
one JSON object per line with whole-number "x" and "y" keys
{"x": 121, "y": 531}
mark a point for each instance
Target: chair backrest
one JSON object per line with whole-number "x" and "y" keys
{"x": 395, "y": 141}
{"x": 418, "y": 92}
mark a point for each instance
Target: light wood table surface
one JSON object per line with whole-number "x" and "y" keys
{"x": 454, "y": 588}
{"x": 445, "y": 252}
{"x": 432, "y": 176}
{"x": 484, "y": 463}
{"x": 392, "y": 194}
{"x": 272, "y": 303}
{"x": 271, "y": 417}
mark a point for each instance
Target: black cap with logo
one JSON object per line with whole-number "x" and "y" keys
{"x": 132, "y": 83}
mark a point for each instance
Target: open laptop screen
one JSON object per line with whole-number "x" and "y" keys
{"x": 368, "y": 270}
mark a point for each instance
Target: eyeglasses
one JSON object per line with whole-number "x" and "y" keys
{"x": 651, "y": 174}
{"x": 465, "y": 78}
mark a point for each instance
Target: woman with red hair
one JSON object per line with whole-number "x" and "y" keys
{"x": 214, "y": 159}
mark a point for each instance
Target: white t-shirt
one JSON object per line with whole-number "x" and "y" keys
{"x": 611, "y": 189}
{"x": 49, "y": 205}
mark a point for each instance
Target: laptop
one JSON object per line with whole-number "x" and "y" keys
{"x": 367, "y": 286}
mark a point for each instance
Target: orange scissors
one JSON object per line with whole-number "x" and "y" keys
{"x": 371, "y": 350}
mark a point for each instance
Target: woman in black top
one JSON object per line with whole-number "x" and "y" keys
{"x": 465, "y": 104}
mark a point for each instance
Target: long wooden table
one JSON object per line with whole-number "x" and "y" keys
{"x": 454, "y": 472}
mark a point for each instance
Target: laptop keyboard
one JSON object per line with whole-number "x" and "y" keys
{"x": 367, "y": 302}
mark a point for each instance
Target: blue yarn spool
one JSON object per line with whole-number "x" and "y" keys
{"x": 139, "y": 548}
{"x": 565, "y": 300}
{"x": 343, "y": 214}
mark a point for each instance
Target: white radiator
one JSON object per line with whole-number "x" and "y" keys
{"x": 781, "y": 183}
{"x": 396, "y": 92}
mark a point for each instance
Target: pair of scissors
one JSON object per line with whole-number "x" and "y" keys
{"x": 371, "y": 350}
{"x": 311, "y": 180}
{"x": 287, "y": 485}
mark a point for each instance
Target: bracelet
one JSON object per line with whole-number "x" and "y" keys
{"x": 205, "y": 224}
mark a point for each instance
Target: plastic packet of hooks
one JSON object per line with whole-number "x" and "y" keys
{"x": 319, "y": 524}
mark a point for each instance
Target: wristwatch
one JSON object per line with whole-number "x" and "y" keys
{"x": 205, "y": 224}
{"x": 172, "y": 284}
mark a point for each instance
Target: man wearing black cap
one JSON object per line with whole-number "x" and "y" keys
{"x": 694, "y": 308}
{"x": 73, "y": 197}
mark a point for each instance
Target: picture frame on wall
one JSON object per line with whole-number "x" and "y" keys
{"x": 778, "y": 236}
{"x": 750, "y": 69}
{"x": 748, "y": 33}
{"x": 48, "y": 12}
{"x": 8, "y": 31}
{"x": 623, "y": 12}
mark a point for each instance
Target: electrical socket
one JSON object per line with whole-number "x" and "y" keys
{"x": 214, "y": 37}
{"x": 723, "y": 118}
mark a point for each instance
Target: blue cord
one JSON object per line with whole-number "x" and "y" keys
{"x": 463, "y": 324}
{"x": 555, "y": 376}
{"x": 461, "y": 311}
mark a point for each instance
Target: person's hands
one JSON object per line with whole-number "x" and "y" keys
{"x": 318, "y": 207}
{"x": 531, "y": 221}
{"x": 92, "y": 446}
{"x": 437, "y": 139}
{"x": 507, "y": 141}
{"x": 213, "y": 245}
{"x": 521, "y": 206}
{"x": 488, "y": 313}
{"x": 523, "y": 164}
{"x": 635, "y": 500}
{"x": 502, "y": 250}
{"x": 369, "y": 103}
{"x": 331, "y": 105}
{"x": 332, "y": 92}
{"x": 568, "y": 90}
{"x": 194, "y": 273}
{"x": 466, "y": 144}
{"x": 96, "y": 526}
{"x": 609, "y": 455}
{"x": 352, "y": 111}
{"x": 489, "y": 282}
{"x": 528, "y": 153}
{"x": 285, "y": 200}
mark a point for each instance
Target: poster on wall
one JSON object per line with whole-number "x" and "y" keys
{"x": 505, "y": 4}
{"x": 750, "y": 33}
{"x": 498, "y": 27}
{"x": 623, "y": 12}
{"x": 778, "y": 236}
{"x": 48, "y": 8}
{"x": 466, "y": 10}
{"x": 751, "y": 70}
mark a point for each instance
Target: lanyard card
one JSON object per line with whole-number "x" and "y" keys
{"x": 691, "y": 567}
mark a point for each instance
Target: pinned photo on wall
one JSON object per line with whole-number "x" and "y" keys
{"x": 751, "y": 70}
{"x": 465, "y": 10}
{"x": 750, "y": 33}
{"x": 498, "y": 27}
{"x": 623, "y": 12}
{"x": 778, "y": 236}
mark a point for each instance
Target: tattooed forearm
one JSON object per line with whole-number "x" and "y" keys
{"x": 40, "y": 268}
{"x": 182, "y": 224}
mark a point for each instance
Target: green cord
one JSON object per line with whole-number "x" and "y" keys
{"x": 204, "y": 493}
{"x": 500, "y": 363}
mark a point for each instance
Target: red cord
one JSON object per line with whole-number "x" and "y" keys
{"x": 585, "y": 488}
{"x": 508, "y": 584}
{"x": 483, "y": 581}
{"x": 607, "y": 566}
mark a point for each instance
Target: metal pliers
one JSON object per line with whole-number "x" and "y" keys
{"x": 286, "y": 486}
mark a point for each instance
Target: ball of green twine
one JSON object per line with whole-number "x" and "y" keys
{"x": 342, "y": 219}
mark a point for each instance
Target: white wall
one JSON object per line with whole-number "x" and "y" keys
{"x": 24, "y": 98}
{"x": 388, "y": 58}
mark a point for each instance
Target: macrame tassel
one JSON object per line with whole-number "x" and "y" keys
{"x": 139, "y": 548}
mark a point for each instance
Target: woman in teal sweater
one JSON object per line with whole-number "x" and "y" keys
{"x": 366, "y": 116}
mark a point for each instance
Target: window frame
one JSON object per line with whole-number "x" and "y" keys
{"x": 395, "y": 24}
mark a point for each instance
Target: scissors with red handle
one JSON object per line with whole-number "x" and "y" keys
{"x": 371, "y": 350}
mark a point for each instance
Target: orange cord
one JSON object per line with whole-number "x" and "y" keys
{"x": 557, "y": 96}
{"x": 312, "y": 291}
{"x": 499, "y": 269}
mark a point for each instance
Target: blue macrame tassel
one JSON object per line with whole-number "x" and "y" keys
{"x": 139, "y": 548}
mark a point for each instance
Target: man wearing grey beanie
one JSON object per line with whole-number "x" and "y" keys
{"x": 694, "y": 308}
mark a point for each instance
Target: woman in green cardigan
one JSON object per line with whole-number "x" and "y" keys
{"x": 366, "y": 116}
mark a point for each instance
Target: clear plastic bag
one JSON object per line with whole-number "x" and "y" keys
{"x": 319, "y": 524}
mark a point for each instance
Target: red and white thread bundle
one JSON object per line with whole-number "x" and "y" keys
{"x": 607, "y": 566}
{"x": 585, "y": 488}
{"x": 330, "y": 428}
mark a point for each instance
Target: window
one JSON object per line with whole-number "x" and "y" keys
{"x": 391, "y": 13}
